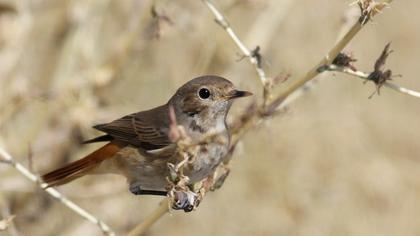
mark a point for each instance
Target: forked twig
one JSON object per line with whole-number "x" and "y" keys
{"x": 268, "y": 109}
{"x": 253, "y": 55}
{"x": 329, "y": 58}
{"x": 365, "y": 76}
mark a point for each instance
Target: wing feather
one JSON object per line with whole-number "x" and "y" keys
{"x": 147, "y": 130}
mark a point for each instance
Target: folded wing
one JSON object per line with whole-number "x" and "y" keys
{"x": 147, "y": 130}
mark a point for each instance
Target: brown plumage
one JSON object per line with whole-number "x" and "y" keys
{"x": 139, "y": 147}
{"x": 80, "y": 167}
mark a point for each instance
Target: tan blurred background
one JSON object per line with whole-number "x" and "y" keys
{"x": 336, "y": 163}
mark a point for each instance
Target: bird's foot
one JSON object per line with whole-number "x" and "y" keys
{"x": 185, "y": 200}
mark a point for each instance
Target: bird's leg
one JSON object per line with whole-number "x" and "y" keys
{"x": 136, "y": 190}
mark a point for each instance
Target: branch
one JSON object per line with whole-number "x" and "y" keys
{"x": 151, "y": 219}
{"x": 250, "y": 119}
{"x": 365, "y": 76}
{"x": 333, "y": 53}
{"x": 6, "y": 158}
{"x": 253, "y": 56}
{"x": 350, "y": 17}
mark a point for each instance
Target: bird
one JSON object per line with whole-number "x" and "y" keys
{"x": 138, "y": 145}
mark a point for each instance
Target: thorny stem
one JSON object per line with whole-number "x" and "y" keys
{"x": 6, "y": 158}
{"x": 364, "y": 76}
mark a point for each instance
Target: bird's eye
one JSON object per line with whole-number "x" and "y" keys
{"x": 204, "y": 93}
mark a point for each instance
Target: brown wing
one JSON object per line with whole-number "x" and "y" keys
{"x": 147, "y": 130}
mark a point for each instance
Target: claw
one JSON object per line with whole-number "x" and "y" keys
{"x": 185, "y": 200}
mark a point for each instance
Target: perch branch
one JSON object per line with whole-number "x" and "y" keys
{"x": 364, "y": 76}
{"x": 332, "y": 54}
{"x": 151, "y": 219}
{"x": 250, "y": 120}
{"x": 252, "y": 55}
{"x": 6, "y": 158}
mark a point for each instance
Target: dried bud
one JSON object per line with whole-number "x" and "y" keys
{"x": 368, "y": 8}
{"x": 380, "y": 62}
{"x": 257, "y": 55}
{"x": 345, "y": 60}
{"x": 379, "y": 76}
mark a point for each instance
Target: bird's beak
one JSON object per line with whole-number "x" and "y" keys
{"x": 238, "y": 94}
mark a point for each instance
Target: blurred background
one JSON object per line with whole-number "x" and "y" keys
{"x": 336, "y": 163}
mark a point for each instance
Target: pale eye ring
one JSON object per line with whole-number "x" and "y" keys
{"x": 204, "y": 93}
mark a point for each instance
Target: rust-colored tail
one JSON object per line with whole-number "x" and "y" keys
{"x": 81, "y": 167}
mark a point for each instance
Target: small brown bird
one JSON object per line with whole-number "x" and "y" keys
{"x": 139, "y": 146}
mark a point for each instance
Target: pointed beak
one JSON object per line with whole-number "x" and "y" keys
{"x": 238, "y": 94}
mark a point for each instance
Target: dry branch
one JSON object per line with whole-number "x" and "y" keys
{"x": 253, "y": 116}
{"x": 249, "y": 119}
{"x": 253, "y": 55}
{"x": 365, "y": 76}
{"x": 5, "y": 157}
{"x": 151, "y": 219}
{"x": 333, "y": 53}
{"x": 379, "y": 76}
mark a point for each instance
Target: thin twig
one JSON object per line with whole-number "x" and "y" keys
{"x": 282, "y": 100}
{"x": 256, "y": 117}
{"x": 350, "y": 16}
{"x": 253, "y": 58}
{"x": 327, "y": 60}
{"x": 151, "y": 219}
{"x": 364, "y": 76}
{"x": 8, "y": 159}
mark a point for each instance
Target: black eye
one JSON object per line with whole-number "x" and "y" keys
{"x": 204, "y": 93}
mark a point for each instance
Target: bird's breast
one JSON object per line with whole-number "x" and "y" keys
{"x": 150, "y": 172}
{"x": 207, "y": 158}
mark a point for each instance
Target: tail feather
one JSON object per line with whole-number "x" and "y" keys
{"x": 81, "y": 167}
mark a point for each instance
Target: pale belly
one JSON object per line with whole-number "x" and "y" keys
{"x": 150, "y": 173}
